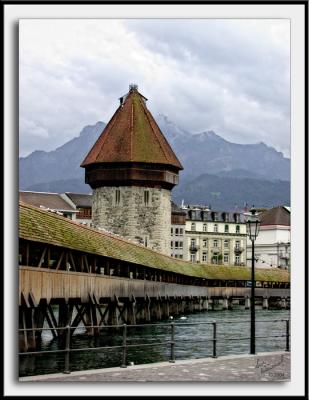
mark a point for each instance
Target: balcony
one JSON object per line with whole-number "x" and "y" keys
{"x": 238, "y": 249}
{"x": 194, "y": 248}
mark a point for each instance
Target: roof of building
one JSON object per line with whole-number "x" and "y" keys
{"x": 41, "y": 226}
{"x": 52, "y": 201}
{"x": 176, "y": 209}
{"x": 276, "y": 216}
{"x": 206, "y": 215}
{"x": 80, "y": 199}
{"x": 132, "y": 135}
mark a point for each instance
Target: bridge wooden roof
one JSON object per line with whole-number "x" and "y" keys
{"x": 45, "y": 227}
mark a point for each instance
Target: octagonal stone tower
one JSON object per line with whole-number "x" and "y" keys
{"x": 132, "y": 170}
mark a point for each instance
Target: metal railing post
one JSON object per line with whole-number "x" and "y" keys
{"x": 172, "y": 359}
{"x": 67, "y": 351}
{"x": 287, "y": 345}
{"x": 214, "y": 340}
{"x": 124, "y": 347}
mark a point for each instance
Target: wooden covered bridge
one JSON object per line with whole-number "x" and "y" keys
{"x": 71, "y": 274}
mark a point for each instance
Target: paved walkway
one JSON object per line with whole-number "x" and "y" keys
{"x": 260, "y": 367}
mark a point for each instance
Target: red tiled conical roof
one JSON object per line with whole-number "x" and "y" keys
{"x": 132, "y": 135}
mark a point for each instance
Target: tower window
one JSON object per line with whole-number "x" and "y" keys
{"x": 146, "y": 197}
{"x": 117, "y": 197}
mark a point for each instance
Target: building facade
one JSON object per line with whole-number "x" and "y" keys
{"x": 82, "y": 202}
{"x": 273, "y": 244}
{"x": 132, "y": 170}
{"x": 178, "y": 228}
{"x": 214, "y": 237}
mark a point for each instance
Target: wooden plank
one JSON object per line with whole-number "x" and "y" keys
{"x": 42, "y": 257}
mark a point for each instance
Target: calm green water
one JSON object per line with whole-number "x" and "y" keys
{"x": 191, "y": 341}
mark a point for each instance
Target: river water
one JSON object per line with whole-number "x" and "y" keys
{"x": 191, "y": 341}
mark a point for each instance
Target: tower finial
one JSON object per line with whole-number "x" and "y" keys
{"x": 133, "y": 87}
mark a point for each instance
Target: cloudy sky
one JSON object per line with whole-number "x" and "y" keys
{"x": 230, "y": 76}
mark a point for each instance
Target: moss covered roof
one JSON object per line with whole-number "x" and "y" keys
{"x": 42, "y": 226}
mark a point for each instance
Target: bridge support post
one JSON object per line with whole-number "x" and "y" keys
{"x": 112, "y": 313}
{"x": 283, "y": 303}
{"x": 225, "y": 303}
{"x": 38, "y": 318}
{"x": 265, "y": 303}
{"x": 28, "y": 341}
{"x": 206, "y": 304}
{"x": 230, "y": 303}
{"x": 155, "y": 309}
{"x": 147, "y": 309}
{"x": 200, "y": 304}
{"x": 247, "y": 303}
{"x": 131, "y": 318}
{"x": 165, "y": 309}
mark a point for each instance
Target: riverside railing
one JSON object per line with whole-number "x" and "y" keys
{"x": 125, "y": 346}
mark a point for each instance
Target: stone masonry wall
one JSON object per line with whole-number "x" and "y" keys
{"x": 128, "y": 215}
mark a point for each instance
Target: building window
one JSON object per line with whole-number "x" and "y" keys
{"x": 237, "y": 244}
{"x": 180, "y": 245}
{"x": 193, "y": 227}
{"x": 215, "y": 259}
{"x": 226, "y": 243}
{"x": 215, "y": 243}
{"x": 215, "y": 227}
{"x": 204, "y": 242}
{"x": 192, "y": 242}
{"x": 176, "y": 245}
{"x": 237, "y": 228}
{"x": 117, "y": 197}
{"x": 226, "y": 229}
{"x": 172, "y": 231}
{"x": 226, "y": 258}
{"x": 180, "y": 256}
{"x": 84, "y": 213}
{"x": 192, "y": 257}
{"x": 180, "y": 231}
{"x": 205, "y": 227}
{"x": 204, "y": 257}
{"x": 171, "y": 245}
{"x": 146, "y": 197}
{"x": 176, "y": 232}
{"x": 216, "y": 217}
{"x": 237, "y": 260}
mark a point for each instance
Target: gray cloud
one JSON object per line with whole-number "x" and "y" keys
{"x": 231, "y": 76}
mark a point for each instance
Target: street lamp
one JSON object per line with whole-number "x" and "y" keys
{"x": 253, "y": 227}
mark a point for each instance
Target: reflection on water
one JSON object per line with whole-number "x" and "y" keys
{"x": 191, "y": 341}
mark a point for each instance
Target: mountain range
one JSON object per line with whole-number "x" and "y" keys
{"x": 216, "y": 172}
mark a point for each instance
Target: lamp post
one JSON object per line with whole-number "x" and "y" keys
{"x": 253, "y": 226}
